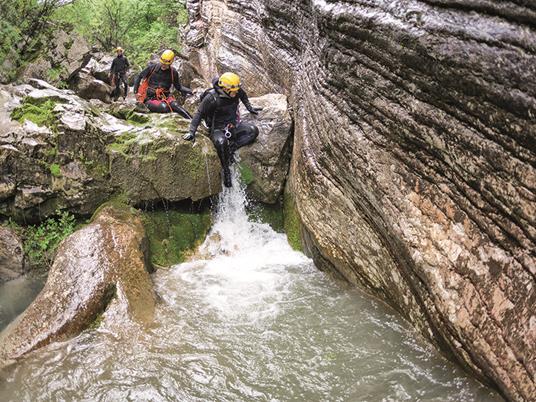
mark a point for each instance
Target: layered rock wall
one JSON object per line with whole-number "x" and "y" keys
{"x": 414, "y": 154}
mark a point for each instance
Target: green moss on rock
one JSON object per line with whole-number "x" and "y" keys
{"x": 292, "y": 222}
{"x": 41, "y": 113}
{"x": 55, "y": 170}
{"x": 246, "y": 174}
{"x": 122, "y": 143}
{"x": 172, "y": 234}
{"x": 119, "y": 202}
{"x": 137, "y": 118}
{"x": 269, "y": 214}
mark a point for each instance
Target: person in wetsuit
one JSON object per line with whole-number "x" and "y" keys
{"x": 219, "y": 109}
{"x": 160, "y": 78}
{"x": 118, "y": 74}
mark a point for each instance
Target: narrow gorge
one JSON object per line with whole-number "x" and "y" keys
{"x": 378, "y": 241}
{"x": 413, "y": 167}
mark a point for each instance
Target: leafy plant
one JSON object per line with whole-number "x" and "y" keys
{"x": 55, "y": 170}
{"x": 41, "y": 241}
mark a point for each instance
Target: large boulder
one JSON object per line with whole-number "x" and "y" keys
{"x": 73, "y": 154}
{"x": 88, "y": 87}
{"x": 11, "y": 255}
{"x": 265, "y": 163}
{"x": 413, "y": 160}
{"x": 104, "y": 261}
{"x": 154, "y": 163}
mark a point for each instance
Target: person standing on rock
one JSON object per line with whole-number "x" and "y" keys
{"x": 153, "y": 86}
{"x": 118, "y": 73}
{"x": 219, "y": 109}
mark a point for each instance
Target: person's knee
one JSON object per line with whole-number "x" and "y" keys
{"x": 157, "y": 106}
{"x": 254, "y": 131}
{"x": 220, "y": 142}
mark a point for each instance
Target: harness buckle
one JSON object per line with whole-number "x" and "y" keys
{"x": 227, "y": 131}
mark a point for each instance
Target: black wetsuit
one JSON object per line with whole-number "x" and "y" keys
{"x": 220, "y": 112}
{"x": 118, "y": 71}
{"x": 163, "y": 80}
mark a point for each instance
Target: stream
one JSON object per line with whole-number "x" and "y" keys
{"x": 248, "y": 319}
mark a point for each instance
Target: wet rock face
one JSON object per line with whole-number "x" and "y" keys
{"x": 81, "y": 153}
{"x": 104, "y": 261}
{"x": 413, "y": 160}
{"x": 265, "y": 163}
{"x": 59, "y": 60}
{"x": 11, "y": 255}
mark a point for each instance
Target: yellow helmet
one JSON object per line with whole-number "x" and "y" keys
{"x": 119, "y": 49}
{"x": 229, "y": 82}
{"x": 167, "y": 57}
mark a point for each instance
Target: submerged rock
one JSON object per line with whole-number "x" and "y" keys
{"x": 413, "y": 161}
{"x": 104, "y": 260}
{"x": 11, "y": 255}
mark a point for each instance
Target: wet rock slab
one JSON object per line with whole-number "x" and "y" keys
{"x": 266, "y": 162}
{"x": 103, "y": 262}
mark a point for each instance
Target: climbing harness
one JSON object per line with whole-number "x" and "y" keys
{"x": 160, "y": 94}
{"x": 141, "y": 95}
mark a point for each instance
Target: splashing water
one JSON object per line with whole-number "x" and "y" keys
{"x": 249, "y": 320}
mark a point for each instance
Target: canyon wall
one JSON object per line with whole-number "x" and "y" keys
{"x": 413, "y": 165}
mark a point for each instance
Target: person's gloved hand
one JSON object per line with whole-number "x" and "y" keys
{"x": 255, "y": 110}
{"x": 187, "y": 92}
{"x": 189, "y": 137}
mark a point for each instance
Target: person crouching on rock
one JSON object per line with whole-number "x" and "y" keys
{"x": 153, "y": 85}
{"x": 219, "y": 109}
{"x": 118, "y": 74}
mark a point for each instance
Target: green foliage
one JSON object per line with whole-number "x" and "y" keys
{"x": 25, "y": 28}
{"x": 141, "y": 27}
{"x": 54, "y": 75}
{"x": 41, "y": 241}
{"x": 41, "y": 114}
{"x": 55, "y": 170}
{"x": 172, "y": 234}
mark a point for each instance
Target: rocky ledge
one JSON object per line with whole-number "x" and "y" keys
{"x": 58, "y": 151}
{"x": 413, "y": 162}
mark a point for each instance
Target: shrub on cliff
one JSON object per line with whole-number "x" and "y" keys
{"x": 41, "y": 241}
{"x": 25, "y": 27}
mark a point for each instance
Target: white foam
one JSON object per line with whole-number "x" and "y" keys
{"x": 246, "y": 267}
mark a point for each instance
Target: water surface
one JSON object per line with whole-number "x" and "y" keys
{"x": 248, "y": 320}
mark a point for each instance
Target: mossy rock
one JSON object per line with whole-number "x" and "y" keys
{"x": 246, "y": 174}
{"x": 173, "y": 234}
{"x": 292, "y": 223}
{"x": 41, "y": 113}
{"x": 271, "y": 214}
